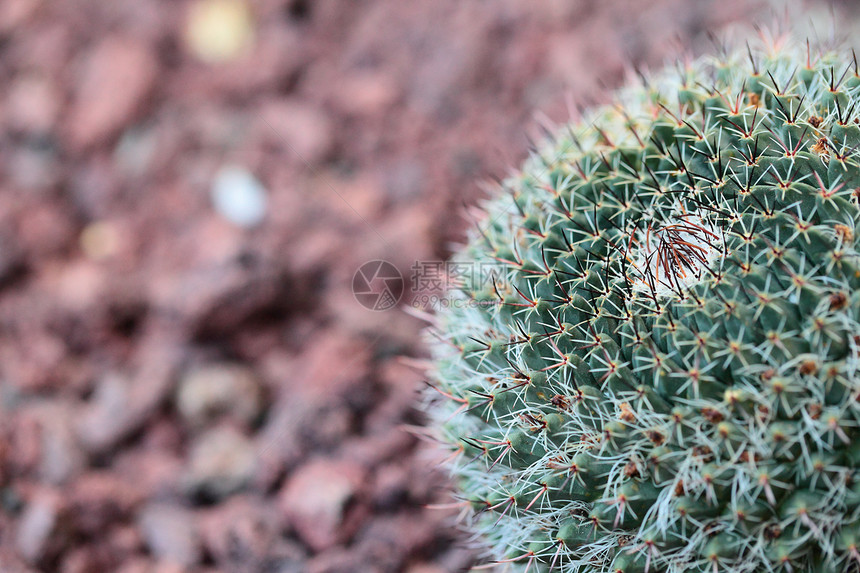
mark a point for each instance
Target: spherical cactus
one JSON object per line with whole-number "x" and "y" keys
{"x": 660, "y": 374}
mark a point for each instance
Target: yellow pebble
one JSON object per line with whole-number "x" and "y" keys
{"x": 219, "y": 30}
{"x": 99, "y": 240}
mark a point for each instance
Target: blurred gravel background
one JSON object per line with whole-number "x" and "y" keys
{"x": 186, "y": 189}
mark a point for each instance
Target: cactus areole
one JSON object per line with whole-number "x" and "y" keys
{"x": 662, "y": 373}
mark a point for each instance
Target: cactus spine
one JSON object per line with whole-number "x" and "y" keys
{"x": 662, "y": 374}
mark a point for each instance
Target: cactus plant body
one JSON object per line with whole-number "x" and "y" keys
{"x": 662, "y": 373}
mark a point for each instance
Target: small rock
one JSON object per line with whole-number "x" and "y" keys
{"x": 313, "y": 249}
{"x": 82, "y": 560}
{"x": 362, "y": 193}
{"x": 136, "y": 150}
{"x": 37, "y": 525}
{"x": 208, "y": 391}
{"x": 401, "y": 385}
{"x": 117, "y": 77}
{"x": 285, "y": 557}
{"x": 11, "y": 562}
{"x": 315, "y": 497}
{"x": 222, "y": 462}
{"x": 62, "y": 457}
{"x": 22, "y": 448}
{"x": 33, "y": 104}
{"x": 219, "y": 30}
{"x": 59, "y": 455}
{"x": 239, "y": 197}
{"x": 122, "y": 405}
{"x": 326, "y": 427}
{"x": 243, "y": 534}
{"x": 336, "y": 361}
{"x": 125, "y": 540}
{"x": 93, "y": 187}
{"x": 34, "y": 167}
{"x": 303, "y": 131}
{"x": 169, "y": 533}
{"x": 99, "y": 499}
{"x": 404, "y": 181}
{"x": 145, "y": 565}
{"x": 366, "y": 93}
{"x": 15, "y": 13}
{"x": 425, "y": 568}
{"x": 216, "y": 301}
{"x": 100, "y": 240}
{"x": 103, "y": 420}
{"x": 33, "y": 362}
{"x": 45, "y": 229}
{"x": 11, "y": 257}
{"x": 378, "y": 447}
{"x": 390, "y": 487}
{"x": 387, "y": 540}
{"x": 153, "y": 470}
{"x": 163, "y": 434}
{"x": 76, "y": 285}
{"x": 343, "y": 560}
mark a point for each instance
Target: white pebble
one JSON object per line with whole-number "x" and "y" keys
{"x": 239, "y": 197}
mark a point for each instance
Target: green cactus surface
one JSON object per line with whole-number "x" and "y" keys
{"x": 661, "y": 372}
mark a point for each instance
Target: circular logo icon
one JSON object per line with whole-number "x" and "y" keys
{"x": 377, "y": 285}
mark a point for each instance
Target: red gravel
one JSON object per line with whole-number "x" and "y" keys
{"x": 370, "y": 124}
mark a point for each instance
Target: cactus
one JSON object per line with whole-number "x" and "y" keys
{"x": 661, "y": 373}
